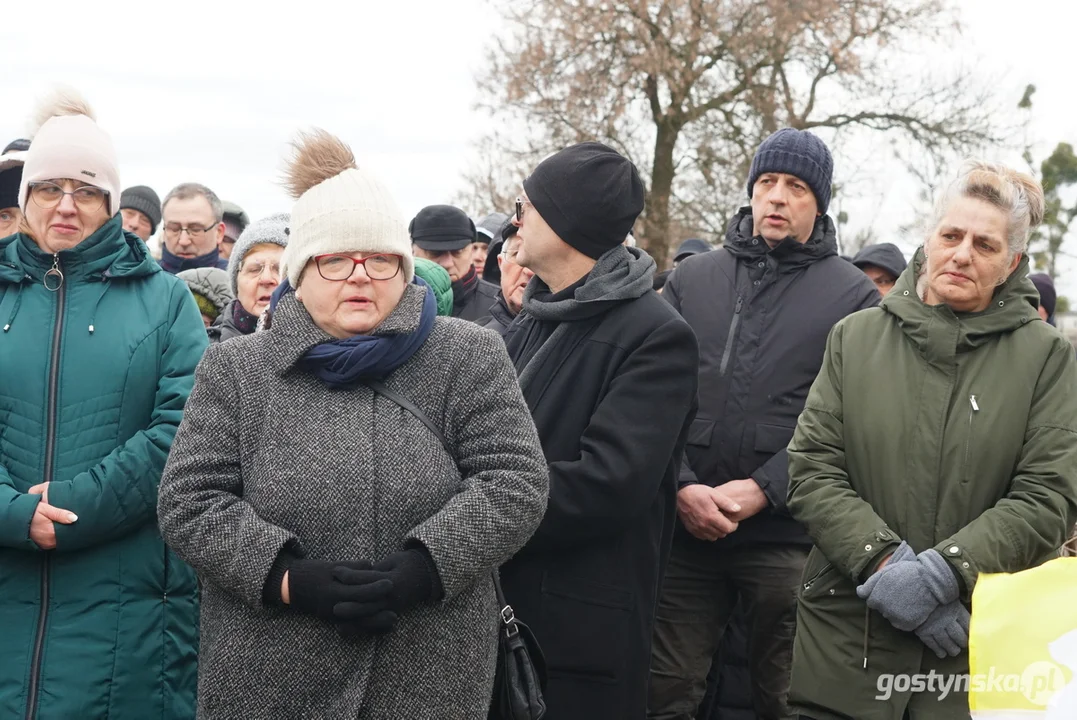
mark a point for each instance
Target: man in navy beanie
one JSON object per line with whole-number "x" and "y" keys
{"x": 761, "y": 307}
{"x": 609, "y": 371}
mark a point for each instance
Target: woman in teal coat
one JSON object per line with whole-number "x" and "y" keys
{"x": 97, "y": 349}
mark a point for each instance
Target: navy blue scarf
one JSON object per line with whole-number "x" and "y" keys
{"x": 342, "y": 363}
{"x": 175, "y": 264}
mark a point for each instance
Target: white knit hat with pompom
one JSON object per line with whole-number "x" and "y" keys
{"x": 67, "y": 143}
{"x": 339, "y": 208}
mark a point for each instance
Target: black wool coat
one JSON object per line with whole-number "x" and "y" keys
{"x": 612, "y": 404}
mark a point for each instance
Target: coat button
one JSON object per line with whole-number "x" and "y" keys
{"x": 761, "y": 264}
{"x": 868, "y": 548}
{"x": 756, "y": 282}
{"x": 954, "y": 550}
{"x": 965, "y": 565}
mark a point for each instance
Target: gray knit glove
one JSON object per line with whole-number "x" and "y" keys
{"x": 946, "y": 630}
{"x": 907, "y": 592}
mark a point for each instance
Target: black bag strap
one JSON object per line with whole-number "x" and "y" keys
{"x": 380, "y": 388}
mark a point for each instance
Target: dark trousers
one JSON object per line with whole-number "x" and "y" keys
{"x": 699, "y": 592}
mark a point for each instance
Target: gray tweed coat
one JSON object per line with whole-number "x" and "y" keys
{"x": 268, "y": 456}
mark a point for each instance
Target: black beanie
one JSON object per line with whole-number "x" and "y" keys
{"x": 589, "y": 194}
{"x": 9, "y": 187}
{"x": 441, "y": 228}
{"x": 145, "y": 200}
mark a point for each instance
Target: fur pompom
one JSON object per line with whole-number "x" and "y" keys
{"x": 316, "y": 157}
{"x": 62, "y": 101}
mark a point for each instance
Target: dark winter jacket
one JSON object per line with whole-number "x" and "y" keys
{"x": 612, "y": 392}
{"x": 951, "y": 431}
{"x": 225, "y": 326}
{"x": 93, "y": 380}
{"x": 761, "y": 316}
{"x": 500, "y": 317}
{"x": 269, "y": 458}
{"x": 472, "y": 297}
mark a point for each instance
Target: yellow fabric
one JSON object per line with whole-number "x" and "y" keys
{"x": 1023, "y": 644}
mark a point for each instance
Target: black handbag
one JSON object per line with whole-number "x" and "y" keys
{"x": 521, "y": 666}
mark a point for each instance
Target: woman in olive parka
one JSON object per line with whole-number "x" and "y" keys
{"x": 98, "y": 349}
{"x": 938, "y": 442}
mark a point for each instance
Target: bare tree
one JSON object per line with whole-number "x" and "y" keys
{"x": 688, "y": 88}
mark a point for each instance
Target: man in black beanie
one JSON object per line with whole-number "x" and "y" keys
{"x": 609, "y": 372}
{"x": 141, "y": 210}
{"x": 444, "y": 234}
{"x": 11, "y": 162}
{"x": 761, "y": 306}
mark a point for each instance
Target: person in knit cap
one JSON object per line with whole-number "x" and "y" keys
{"x": 609, "y": 372}
{"x": 235, "y": 222}
{"x": 347, "y": 481}
{"x": 761, "y": 306}
{"x": 1045, "y": 286}
{"x": 11, "y": 162}
{"x": 141, "y": 210}
{"x": 211, "y": 291}
{"x": 98, "y": 348}
{"x": 445, "y": 234}
{"x": 487, "y": 231}
{"x": 193, "y": 226}
{"x": 883, "y": 263}
{"x": 254, "y": 272}
{"x": 438, "y": 279}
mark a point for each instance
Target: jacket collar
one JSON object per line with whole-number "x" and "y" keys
{"x": 940, "y": 333}
{"x": 108, "y": 253}
{"x": 294, "y": 332}
{"x": 788, "y": 254}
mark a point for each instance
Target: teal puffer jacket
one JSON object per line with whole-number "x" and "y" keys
{"x": 93, "y": 379}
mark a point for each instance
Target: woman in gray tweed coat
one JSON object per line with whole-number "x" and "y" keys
{"x": 346, "y": 558}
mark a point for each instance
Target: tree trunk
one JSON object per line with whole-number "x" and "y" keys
{"x": 656, "y": 223}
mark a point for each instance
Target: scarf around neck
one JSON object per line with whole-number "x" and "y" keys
{"x": 342, "y": 363}
{"x": 175, "y": 264}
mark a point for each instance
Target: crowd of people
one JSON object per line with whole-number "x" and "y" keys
{"x": 284, "y": 468}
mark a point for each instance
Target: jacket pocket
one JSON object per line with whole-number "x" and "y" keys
{"x": 772, "y": 438}
{"x": 700, "y": 432}
{"x": 587, "y": 629}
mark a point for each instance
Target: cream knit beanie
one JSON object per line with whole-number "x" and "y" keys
{"x": 339, "y": 208}
{"x": 69, "y": 144}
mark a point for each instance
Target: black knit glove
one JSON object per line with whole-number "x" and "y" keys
{"x": 412, "y": 575}
{"x": 380, "y": 623}
{"x": 315, "y": 589}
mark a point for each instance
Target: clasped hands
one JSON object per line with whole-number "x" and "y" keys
{"x": 710, "y": 513}
{"x": 920, "y": 593}
{"x": 359, "y": 597}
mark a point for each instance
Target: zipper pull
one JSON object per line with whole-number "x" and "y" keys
{"x": 740, "y": 303}
{"x": 55, "y": 273}
{"x": 972, "y": 400}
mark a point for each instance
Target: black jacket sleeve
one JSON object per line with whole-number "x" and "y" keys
{"x": 773, "y": 475}
{"x": 622, "y": 464}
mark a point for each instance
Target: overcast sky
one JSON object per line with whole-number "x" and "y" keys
{"x": 212, "y": 91}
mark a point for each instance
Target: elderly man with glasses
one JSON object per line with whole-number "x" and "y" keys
{"x": 193, "y": 227}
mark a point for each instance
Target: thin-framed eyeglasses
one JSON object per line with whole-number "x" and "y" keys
{"x": 341, "y": 267}
{"x": 47, "y": 195}
{"x": 195, "y": 231}
{"x": 255, "y": 269}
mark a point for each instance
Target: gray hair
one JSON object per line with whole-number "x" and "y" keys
{"x": 1016, "y": 194}
{"x": 186, "y": 191}
{"x": 514, "y": 238}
